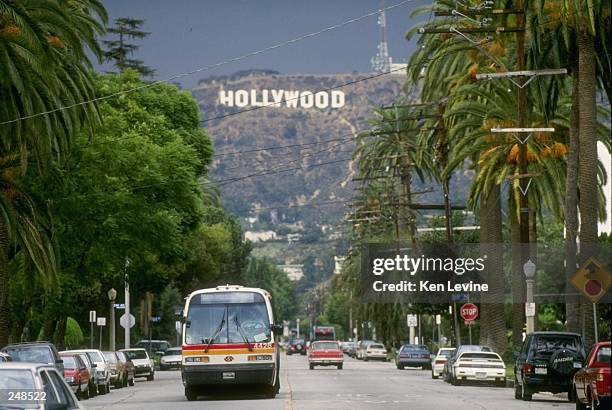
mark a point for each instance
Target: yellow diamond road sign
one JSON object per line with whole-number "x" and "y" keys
{"x": 592, "y": 279}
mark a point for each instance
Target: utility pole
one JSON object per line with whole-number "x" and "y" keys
{"x": 127, "y": 301}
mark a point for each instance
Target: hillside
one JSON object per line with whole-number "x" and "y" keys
{"x": 318, "y": 141}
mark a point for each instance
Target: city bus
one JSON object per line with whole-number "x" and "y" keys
{"x": 228, "y": 338}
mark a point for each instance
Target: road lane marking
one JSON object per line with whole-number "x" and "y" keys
{"x": 289, "y": 399}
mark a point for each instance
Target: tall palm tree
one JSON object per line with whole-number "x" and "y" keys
{"x": 43, "y": 66}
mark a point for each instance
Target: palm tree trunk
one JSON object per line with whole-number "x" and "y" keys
{"x": 571, "y": 206}
{"x": 518, "y": 278}
{"x": 493, "y": 322}
{"x": 587, "y": 163}
{"x": 5, "y": 319}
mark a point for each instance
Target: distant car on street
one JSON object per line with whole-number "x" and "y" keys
{"x": 118, "y": 373}
{"x": 172, "y": 359}
{"x": 593, "y": 384}
{"x": 35, "y": 352}
{"x": 130, "y": 371}
{"x": 361, "y": 348}
{"x": 448, "y": 366}
{"x": 437, "y": 367}
{"x": 153, "y": 346}
{"x": 413, "y": 356}
{"x": 347, "y": 346}
{"x": 547, "y": 362}
{"x": 325, "y": 353}
{"x": 76, "y": 374}
{"x": 375, "y": 351}
{"x": 296, "y": 346}
{"x": 144, "y": 365}
{"x": 91, "y": 368}
{"x": 479, "y": 366}
{"x": 45, "y": 385}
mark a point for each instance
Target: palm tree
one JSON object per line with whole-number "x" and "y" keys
{"x": 43, "y": 66}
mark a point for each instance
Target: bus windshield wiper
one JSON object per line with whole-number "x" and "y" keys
{"x": 216, "y": 333}
{"x": 241, "y": 331}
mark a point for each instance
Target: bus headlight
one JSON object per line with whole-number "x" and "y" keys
{"x": 259, "y": 357}
{"x": 197, "y": 359}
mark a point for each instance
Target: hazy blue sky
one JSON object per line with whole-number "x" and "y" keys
{"x": 186, "y": 34}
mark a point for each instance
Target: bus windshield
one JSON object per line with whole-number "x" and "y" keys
{"x": 227, "y": 317}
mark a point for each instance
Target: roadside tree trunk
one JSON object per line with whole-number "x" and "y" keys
{"x": 5, "y": 318}
{"x": 493, "y": 318}
{"x": 587, "y": 163}
{"x": 571, "y": 208}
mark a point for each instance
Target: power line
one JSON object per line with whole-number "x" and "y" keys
{"x": 211, "y": 66}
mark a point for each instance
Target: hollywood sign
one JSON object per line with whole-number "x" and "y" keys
{"x": 282, "y": 98}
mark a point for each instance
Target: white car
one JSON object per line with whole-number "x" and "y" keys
{"x": 102, "y": 368}
{"x": 34, "y": 386}
{"x": 437, "y": 367}
{"x": 479, "y": 366}
{"x": 144, "y": 366}
{"x": 171, "y": 359}
{"x": 375, "y": 351}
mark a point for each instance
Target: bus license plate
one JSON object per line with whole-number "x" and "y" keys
{"x": 229, "y": 375}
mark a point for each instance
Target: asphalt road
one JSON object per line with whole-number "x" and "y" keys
{"x": 360, "y": 385}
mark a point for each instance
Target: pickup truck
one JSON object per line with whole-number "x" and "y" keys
{"x": 325, "y": 353}
{"x": 592, "y": 384}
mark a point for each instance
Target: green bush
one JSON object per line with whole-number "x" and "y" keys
{"x": 74, "y": 335}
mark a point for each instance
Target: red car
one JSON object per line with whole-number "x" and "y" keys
{"x": 325, "y": 353}
{"x": 592, "y": 384}
{"x": 76, "y": 375}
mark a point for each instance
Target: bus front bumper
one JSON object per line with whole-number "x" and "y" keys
{"x": 256, "y": 373}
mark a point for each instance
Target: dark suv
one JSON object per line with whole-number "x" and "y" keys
{"x": 35, "y": 352}
{"x": 297, "y": 346}
{"x": 547, "y": 362}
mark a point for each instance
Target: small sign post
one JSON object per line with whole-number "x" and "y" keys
{"x": 92, "y": 320}
{"x": 101, "y": 321}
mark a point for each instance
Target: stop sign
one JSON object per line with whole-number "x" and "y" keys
{"x": 469, "y": 311}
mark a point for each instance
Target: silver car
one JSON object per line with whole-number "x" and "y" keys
{"x": 143, "y": 364}
{"x": 172, "y": 359}
{"x": 34, "y": 386}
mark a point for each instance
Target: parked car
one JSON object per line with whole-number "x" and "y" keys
{"x": 143, "y": 364}
{"x": 43, "y": 380}
{"x": 296, "y": 346}
{"x": 153, "y": 346}
{"x": 35, "y": 352}
{"x": 347, "y": 347}
{"x": 479, "y": 366}
{"x": 352, "y": 350}
{"x": 76, "y": 374}
{"x": 91, "y": 368}
{"x": 325, "y": 353}
{"x": 118, "y": 376}
{"x": 437, "y": 367}
{"x": 5, "y": 358}
{"x": 413, "y": 356}
{"x": 547, "y": 362}
{"x": 448, "y": 366}
{"x": 375, "y": 351}
{"x": 102, "y": 368}
{"x": 592, "y": 384}
{"x": 362, "y": 345}
{"x": 172, "y": 359}
{"x": 130, "y": 370}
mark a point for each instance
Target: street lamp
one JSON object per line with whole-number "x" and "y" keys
{"x": 529, "y": 269}
{"x": 112, "y": 295}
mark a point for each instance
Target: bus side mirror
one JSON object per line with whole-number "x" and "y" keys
{"x": 276, "y": 328}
